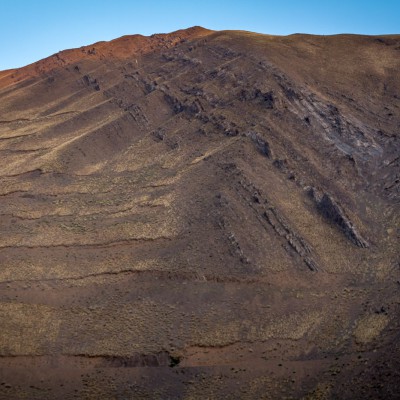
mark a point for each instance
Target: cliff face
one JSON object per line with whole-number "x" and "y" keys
{"x": 202, "y": 214}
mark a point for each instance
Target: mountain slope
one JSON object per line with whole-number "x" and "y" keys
{"x": 221, "y": 206}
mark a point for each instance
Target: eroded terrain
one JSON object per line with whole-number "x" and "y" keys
{"x": 202, "y": 215}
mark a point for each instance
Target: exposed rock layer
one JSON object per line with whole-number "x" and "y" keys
{"x": 222, "y": 207}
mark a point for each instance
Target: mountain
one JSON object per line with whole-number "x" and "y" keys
{"x": 201, "y": 215}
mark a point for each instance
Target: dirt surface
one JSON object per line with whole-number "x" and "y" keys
{"x": 202, "y": 215}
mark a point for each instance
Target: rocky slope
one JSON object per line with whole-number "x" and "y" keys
{"x": 202, "y": 214}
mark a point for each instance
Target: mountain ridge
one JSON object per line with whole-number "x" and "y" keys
{"x": 181, "y": 34}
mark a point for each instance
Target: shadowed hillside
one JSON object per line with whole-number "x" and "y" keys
{"x": 202, "y": 215}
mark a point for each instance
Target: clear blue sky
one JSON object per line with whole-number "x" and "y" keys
{"x": 33, "y": 29}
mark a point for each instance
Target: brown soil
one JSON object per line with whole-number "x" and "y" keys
{"x": 202, "y": 215}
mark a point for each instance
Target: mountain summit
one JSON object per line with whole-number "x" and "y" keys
{"x": 125, "y": 47}
{"x": 202, "y": 214}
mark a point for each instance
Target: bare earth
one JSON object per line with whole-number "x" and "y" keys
{"x": 202, "y": 215}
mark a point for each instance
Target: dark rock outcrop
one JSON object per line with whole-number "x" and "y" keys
{"x": 334, "y": 213}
